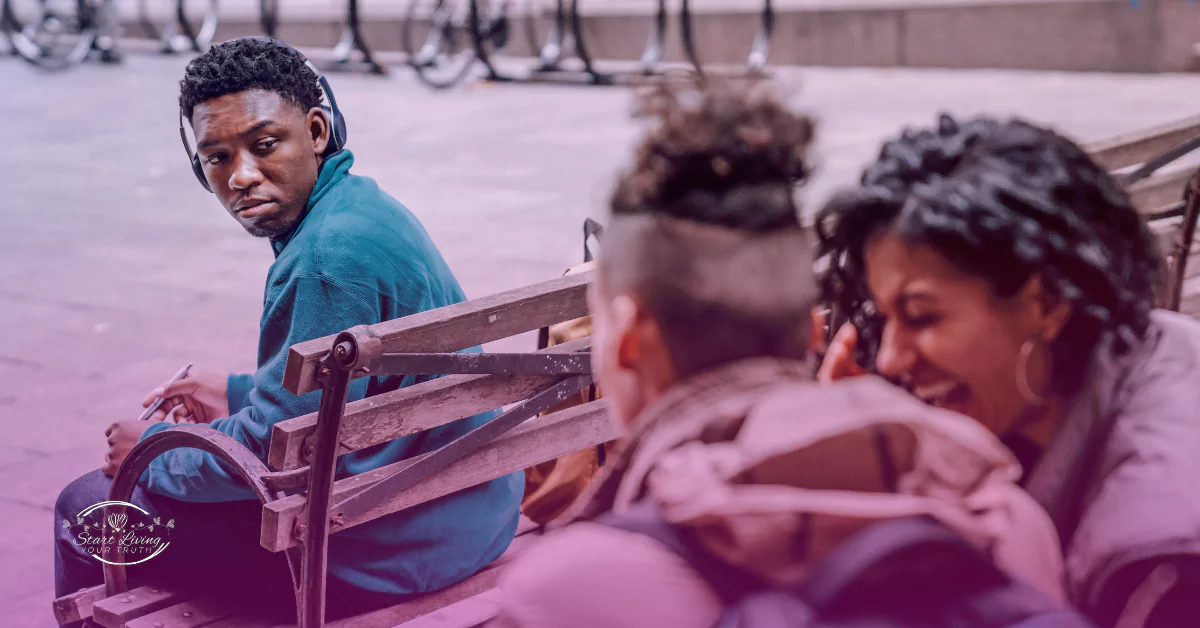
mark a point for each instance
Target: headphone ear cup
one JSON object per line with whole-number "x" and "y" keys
{"x": 198, "y": 170}
{"x": 340, "y": 127}
{"x": 337, "y": 131}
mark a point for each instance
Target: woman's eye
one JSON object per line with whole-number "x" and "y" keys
{"x": 922, "y": 320}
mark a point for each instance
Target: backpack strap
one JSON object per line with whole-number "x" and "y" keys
{"x": 730, "y": 583}
{"x": 884, "y": 550}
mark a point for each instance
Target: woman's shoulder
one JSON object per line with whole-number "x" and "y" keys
{"x": 1141, "y": 499}
{"x": 1167, "y": 364}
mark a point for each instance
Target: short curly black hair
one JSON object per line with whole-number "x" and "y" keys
{"x": 249, "y": 63}
{"x": 1002, "y": 201}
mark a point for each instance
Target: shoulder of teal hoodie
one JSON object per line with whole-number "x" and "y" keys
{"x": 359, "y": 236}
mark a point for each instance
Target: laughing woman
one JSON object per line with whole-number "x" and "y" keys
{"x": 992, "y": 268}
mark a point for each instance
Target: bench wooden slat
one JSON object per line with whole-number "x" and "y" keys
{"x": 409, "y": 410}
{"x": 1191, "y": 292}
{"x": 244, "y": 622}
{"x": 1165, "y": 231}
{"x": 481, "y": 582}
{"x": 469, "y": 613}
{"x": 1160, "y": 190}
{"x": 78, "y": 605}
{"x": 113, "y": 612}
{"x": 1134, "y": 148}
{"x": 190, "y": 614}
{"x": 540, "y": 439}
{"x": 457, "y": 326}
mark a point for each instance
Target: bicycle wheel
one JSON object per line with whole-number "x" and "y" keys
{"x": 438, "y": 41}
{"x": 268, "y": 15}
{"x": 198, "y": 22}
{"x": 60, "y": 35}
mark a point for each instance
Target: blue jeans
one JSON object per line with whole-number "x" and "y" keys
{"x": 214, "y": 548}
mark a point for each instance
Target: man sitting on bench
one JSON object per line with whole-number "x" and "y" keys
{"x": 346, "y": 254}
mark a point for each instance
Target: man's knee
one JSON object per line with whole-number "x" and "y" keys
{"x": 86, "y": 490}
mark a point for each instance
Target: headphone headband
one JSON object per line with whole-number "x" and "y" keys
{"x": 337, "y": 124}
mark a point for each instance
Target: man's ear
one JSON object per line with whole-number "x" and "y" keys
{"x": 319, "y": 129}
{"x": 1049, "y": 312}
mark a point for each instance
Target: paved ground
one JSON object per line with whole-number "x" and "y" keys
{"x": 116, "y": 268}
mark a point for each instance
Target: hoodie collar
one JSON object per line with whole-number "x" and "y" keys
{"x": 333, "y": 170}
{"x": 719, "y": 396}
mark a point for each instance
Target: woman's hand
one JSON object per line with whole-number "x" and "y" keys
{"x": 839, "y": 360}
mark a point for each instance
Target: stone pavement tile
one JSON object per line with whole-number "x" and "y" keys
{"x": 27, "y": 577}
{"x": 44, "y": 475}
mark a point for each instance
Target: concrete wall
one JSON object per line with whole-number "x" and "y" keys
{"x": 1073, "y": 35}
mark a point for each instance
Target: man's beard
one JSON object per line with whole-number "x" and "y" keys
{"x": 270, "y": 228}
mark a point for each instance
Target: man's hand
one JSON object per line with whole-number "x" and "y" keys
{"x": 839, "y": 358}
{"x": 202, "y": 395}
{"x": 122, "y": 436}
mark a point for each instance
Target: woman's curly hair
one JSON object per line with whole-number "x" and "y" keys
{"x": 1001, "y": 201}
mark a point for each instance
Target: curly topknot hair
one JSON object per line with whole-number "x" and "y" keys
{"x": 717, "y": 156}
{"x": 242, "y": 64}
{"x": 1002, "y": 200}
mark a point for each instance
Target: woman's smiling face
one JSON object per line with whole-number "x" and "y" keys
{"x": 949, "y": 338}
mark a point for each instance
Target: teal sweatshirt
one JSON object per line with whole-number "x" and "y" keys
{"x": 357, "y": 257}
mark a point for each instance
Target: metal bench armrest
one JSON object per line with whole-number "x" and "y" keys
{"x": 217, "y": 443}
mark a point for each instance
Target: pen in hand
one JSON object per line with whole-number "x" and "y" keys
{"x": 158, "y": 401}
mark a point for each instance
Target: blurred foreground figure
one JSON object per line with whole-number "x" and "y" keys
{"x": 744, "y": 492}
{"x": 995, "y": 270}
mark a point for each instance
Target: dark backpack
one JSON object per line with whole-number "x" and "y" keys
{"x": 909, "y": 572}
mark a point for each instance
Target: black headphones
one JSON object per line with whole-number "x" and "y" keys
{"x": 337, "y": 124}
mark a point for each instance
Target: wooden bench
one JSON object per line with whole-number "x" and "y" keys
{"x": 303, "y": 451}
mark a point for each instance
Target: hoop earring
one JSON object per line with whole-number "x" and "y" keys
{"x": 1027, "y": 393}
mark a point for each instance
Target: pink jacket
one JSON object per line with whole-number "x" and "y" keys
{"x": 742, "y": 455}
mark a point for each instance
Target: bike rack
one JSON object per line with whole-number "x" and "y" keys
{"x": 202, "y": 39}
{"x": 566, "y": 42}
{"x": 352, "y": 41}
{"x": 756, "y": 61}
{"x": 268, "y": 17}
{"x": 178, "y": 26}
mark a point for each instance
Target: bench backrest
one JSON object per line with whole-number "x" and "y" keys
{"x": 1146, "y": 161}
{"x": 424, "y": 406}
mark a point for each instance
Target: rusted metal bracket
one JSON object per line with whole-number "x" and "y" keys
{"x": 354, "y": 349}
{"x": 1183, "y": 245}
{"x": 421, "y": 469}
